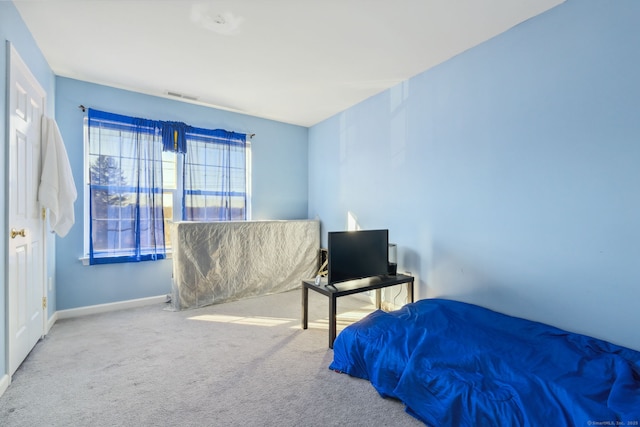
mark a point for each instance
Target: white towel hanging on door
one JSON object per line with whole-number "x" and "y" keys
{"x": 57, "y": 190}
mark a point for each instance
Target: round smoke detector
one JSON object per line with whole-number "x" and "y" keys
{"x": 225, "y": 23}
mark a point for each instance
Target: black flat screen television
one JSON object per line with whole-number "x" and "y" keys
{"x": 357, "y": 254}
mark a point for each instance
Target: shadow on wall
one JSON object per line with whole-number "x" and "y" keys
{"x": 409, "y": 263}
{"x": 451, "y": 275}
{"x": 455, "y": 276}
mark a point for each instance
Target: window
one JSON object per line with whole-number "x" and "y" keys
{"x": 215, "y": 178}
{"x": 170, "y": 191}
{"x": 135, "y": 187}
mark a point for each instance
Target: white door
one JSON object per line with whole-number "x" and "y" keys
{"x": 26, "y": 245}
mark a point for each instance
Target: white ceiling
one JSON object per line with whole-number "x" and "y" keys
{"x": 295, "y": 61}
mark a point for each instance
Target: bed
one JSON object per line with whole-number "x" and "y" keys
{"x": 458, "y": 364}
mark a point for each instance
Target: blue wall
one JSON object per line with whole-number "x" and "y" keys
{"x": 508, "y": 176}
{"x": 13, "y": 29}
{"x": 279, "y": 184}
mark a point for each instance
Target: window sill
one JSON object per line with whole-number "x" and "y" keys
{"x": 85, "y": 259}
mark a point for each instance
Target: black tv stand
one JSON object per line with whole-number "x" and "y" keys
{"x": 335, "y": 290}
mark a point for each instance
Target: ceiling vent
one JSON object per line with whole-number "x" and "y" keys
{"x": 182, "y": 95}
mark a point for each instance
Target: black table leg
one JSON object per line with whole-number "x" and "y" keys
{"x": 332, "y": 320}
{"x": 410, "y": 291}
{"x": 305, "y": 306}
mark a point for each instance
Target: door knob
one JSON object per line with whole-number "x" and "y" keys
{"x": 15, "y": 233}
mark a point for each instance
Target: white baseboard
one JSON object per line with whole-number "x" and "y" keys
{"x": 4, "y": 384}
{"x": 51, "y": 322}
{"x": 103, "y": 308}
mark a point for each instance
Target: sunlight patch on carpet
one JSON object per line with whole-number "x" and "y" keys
{"x": 244, "y": 320}
{"x": 342, "y": 320}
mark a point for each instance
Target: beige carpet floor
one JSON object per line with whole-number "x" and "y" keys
{"x": 243, "y": 363}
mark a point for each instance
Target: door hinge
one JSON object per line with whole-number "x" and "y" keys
{"x": 44, "y": 214}
{"x": 44, "y": 302}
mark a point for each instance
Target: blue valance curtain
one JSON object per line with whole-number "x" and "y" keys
{"x": 174, "y": 136}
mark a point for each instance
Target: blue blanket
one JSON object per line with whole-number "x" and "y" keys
{"x": 457, "y": 364}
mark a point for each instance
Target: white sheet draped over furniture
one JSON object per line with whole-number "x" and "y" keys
{"x": 215, "y": 262}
